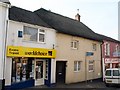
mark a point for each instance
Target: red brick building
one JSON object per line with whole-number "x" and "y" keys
{"x": 110, "y": 54}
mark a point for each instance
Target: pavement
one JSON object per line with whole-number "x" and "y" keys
{"x": 95, "y": 84}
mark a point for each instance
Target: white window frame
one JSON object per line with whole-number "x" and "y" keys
{"x": 117, "y": 48}
{"x": 39, "y": 32}
{"x": 107, "y": 49}
{"x": 73, "y": 44}
{"x": 94, "y": 47}
{"x": 91, "y": 64}
{"x": 77, "y": 66}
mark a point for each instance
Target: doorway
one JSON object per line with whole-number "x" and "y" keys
{"x": 39, "y": 72}
{"x": 60, "y": 71}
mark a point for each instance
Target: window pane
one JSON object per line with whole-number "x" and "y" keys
{"x": 41, "y": 37}
{"x": 90, "y": 67}
{"x": 75, "y": 44}
{"x": 75, "y": 65}
{"x": 107, "y": 49}
{"x": 21, "y": 69}
{"x": 115, "y": 73}
{"x": 30, "y": 34}
{"x": 71, "y": 44}
{"x": 94, "y": 47}
{"x": 78, "y": 65}
{"x": 108, "y": 73}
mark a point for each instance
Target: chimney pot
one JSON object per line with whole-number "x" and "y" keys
{"x": 77, "y": 17}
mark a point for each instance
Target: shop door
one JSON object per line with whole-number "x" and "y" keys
{"x": 60, "y": 71}
{"x": 39, "y": 72}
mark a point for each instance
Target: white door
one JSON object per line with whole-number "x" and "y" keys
{"x": 39, "y": 72}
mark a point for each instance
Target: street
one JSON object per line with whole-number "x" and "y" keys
{"x": 96, "y": 84}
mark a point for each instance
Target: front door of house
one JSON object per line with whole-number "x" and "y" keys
{"x": 60, "y": 71}
{"x": 39, "y": 72}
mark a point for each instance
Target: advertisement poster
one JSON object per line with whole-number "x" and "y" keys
{"x": 24, "y": 71}
{"x": 18, "y": 65}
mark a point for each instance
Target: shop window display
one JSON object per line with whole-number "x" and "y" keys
{"x": 21, "y": 69}
{"x": 39, "y": 69}
{"x": 107, "y": 65}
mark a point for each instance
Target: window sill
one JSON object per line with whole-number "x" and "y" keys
{"x": 74, "y": 48}
{"x": 33, "y": 42}
{"x": 76, "y": 71}
{"x": 91, "y": 71}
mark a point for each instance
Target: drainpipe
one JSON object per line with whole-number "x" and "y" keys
{"x": 102, "y": 62}
{"x": 5, "y": 48}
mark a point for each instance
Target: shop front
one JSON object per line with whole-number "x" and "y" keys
{"x": 112, "y": 63}
{"x": 30, "y": 66}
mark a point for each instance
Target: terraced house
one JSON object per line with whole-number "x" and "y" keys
{"x": 27, "y": 48}
{"x": 110, "y": 53}
{"x": 45, "y": 48}
{"x": 78, "y": 48}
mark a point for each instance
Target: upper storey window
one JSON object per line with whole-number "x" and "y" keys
{"x": 107, "y": 49}
{"x": 33, "y": 34}
{"x": 74, "y": 44}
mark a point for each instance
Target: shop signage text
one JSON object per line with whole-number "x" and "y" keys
{"x": 19, "y": 51}
{"x": 112, "y": 60}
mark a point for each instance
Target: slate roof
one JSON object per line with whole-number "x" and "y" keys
{"x": 103, "y": 37}
{"x": 21, "y": 15}
{"x": 67, "y": 25}
{"x": 70, "y": 26}
{"x": 60, "y": 23}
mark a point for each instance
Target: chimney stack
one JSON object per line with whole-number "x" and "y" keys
{"x": 77, "y": 17}
{"x": 5, "y": 1}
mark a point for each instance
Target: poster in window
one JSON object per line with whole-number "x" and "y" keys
{"x": 18, "y": 67}
{"x": 32, "y": 73}
{"x": 24, "y": 71}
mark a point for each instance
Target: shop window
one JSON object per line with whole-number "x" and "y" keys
{"x": 21, "y": 69}
{"x": 74, "y": 44}
{"x": 91, "y": 66}
{"x": 94, "y": 47}
{"x": 77, "y": 65}
{"x": 107, "y": 65}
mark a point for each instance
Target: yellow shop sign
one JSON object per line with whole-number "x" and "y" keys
{"x": 19, "y": 51}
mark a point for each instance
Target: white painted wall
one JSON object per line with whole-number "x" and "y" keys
{"x": 12, "y": 34}
{"x": 53, "y": 71}
{"x": 13, "y": 39}
{"x": 3, "y": 23}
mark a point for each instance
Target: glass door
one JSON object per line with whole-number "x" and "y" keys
{"x": 39, "y": 72}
